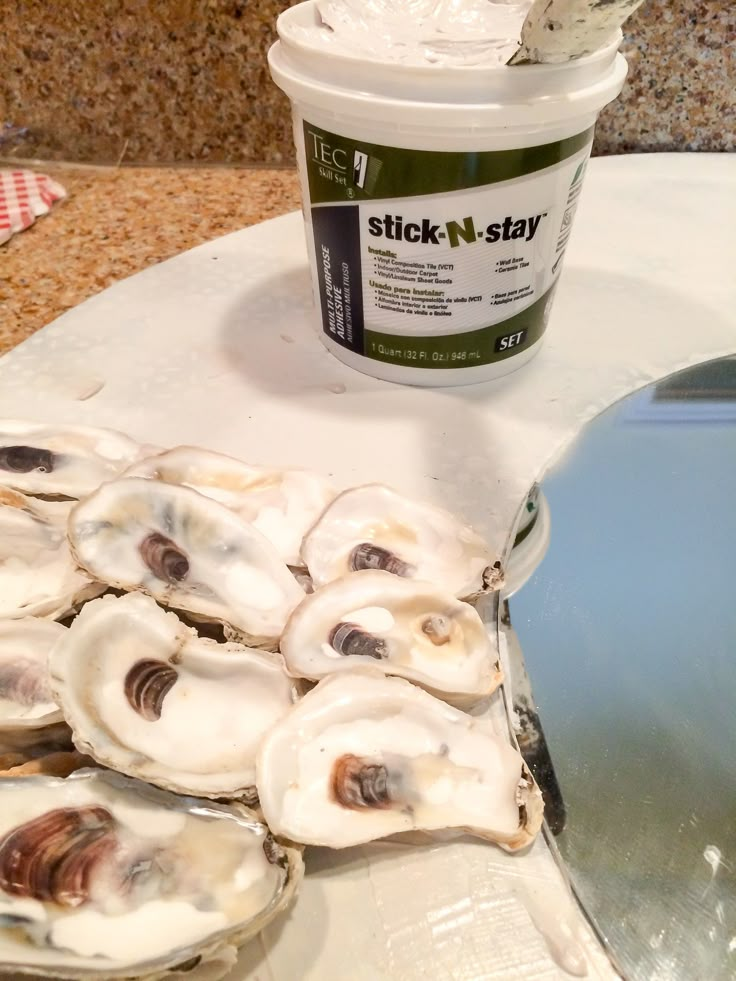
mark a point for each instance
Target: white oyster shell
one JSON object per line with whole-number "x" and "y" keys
{"x": 147, "y": 697}
{"x": 188, "y": 552}
{"x": 106, "y": 877}
{"x": 374, "y": 527}
{"x": 29, "y": 716}
{"x": 62, "y": 461}
{"x": 282, "y": 504}
{"x": 38, "y": 576}
{"x": 403, "y": 627}
{"x": 363, "y": 756}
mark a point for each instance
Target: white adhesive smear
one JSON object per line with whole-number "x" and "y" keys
{"x": 713, "y": 856}
{"x": 468, "y": 884}
{"x": 419, "y": 32}
{"x": 557, "y": 922}
{"x": 151, "y": 931}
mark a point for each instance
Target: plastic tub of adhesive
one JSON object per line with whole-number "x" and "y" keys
{"x": 438, "y": 200}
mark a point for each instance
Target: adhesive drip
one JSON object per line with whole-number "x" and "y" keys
{"x": 556, "y": 923}
{"x": 465, "y": 881}
{"x": 68, "y": 382}
{"x": 713, "y": 857}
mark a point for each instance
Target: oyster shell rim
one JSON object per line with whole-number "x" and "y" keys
{"x": 59, "y": 682}
{"x": 491, "y": 578}
{"x": 235, "y": 936}
{"x": 528, "y": 794}
{"x": 30, "y": 427}
{"x": 62, "y": 604}
{"x": 30, "y": 724}
{"x": 266, "y": 470}
{"x": 233, "y": 632}
{"x": 454, "y": 697}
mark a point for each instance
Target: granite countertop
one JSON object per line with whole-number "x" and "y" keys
{"x": 187, "y": 80}
{"x": 116, "y": 222}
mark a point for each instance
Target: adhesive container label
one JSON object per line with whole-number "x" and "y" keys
{"x": 433, "y": 259}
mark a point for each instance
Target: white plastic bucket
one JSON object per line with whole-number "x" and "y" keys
{"x": 438, "y": 201}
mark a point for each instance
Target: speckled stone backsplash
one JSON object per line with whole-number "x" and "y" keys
{"x": 186, "y": 80}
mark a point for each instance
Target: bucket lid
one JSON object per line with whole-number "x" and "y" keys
{"x": 498, "y": 95}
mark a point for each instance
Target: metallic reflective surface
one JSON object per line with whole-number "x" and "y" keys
{"x": 628, "y": 632}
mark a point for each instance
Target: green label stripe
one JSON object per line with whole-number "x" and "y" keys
{"x": 465, "y": 350}
{"x": 342, "y": 169}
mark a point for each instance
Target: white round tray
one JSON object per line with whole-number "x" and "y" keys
{"x": 217, "y": 347}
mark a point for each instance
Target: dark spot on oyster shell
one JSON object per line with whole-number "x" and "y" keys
{"x": 187, "y": 966}
{"x": 24, "y": 681}
{"x": 350, "y": 640}
{"x": 437, "y": 628}
{"x": 274, "y": 852}
{"x": 302, "y": 577}
{"x": 368, "y": 556}
{"x": 205, "y": 628}
{"x": 356, "y": 784}
{"x": 146, "y": 686}
{"x": 53, "y": 858}
{"x": 493, "y": 577}
{"x": 164, "y": 558}
{"x": 24, "y": 459}
{"x": 249, "y": 797}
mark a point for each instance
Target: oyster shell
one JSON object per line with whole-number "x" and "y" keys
{"x": 103, "y": 876}
{"x": 402, "y": 626}
{"x": 62, "y": 461}
{"x": 61, "y": 763}
{"x": 37, "y": 574}
{"x": 29, "y": 716}
{"x": 147, "y": 697}
{"x": 363, "y": 756}
{"x": 188, "y": 552}
{"x": 374, "y": 527}
{"x": 282, "y": 504}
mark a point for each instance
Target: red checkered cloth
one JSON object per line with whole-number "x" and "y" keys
{"x": 24, "y": 195}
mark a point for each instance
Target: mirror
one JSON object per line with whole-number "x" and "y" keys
{"x": 628, "y": 631}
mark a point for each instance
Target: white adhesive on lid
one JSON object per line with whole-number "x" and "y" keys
{"x": 419, "y": 32}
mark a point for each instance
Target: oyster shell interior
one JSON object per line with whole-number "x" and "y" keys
{"x": 147, "y": 697}
{"x": 363, "y": 756}
{"x": 103, "y": 876}
{"x": 404, "y": 627}
{"x": 29, "y": 714}
{"x": 281, "y": 504}
{"x": 187, "y": 551}
{"x": 62, "y": 461}
{"x": 37, "y": 574}
{"x": 374, "y": 527}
